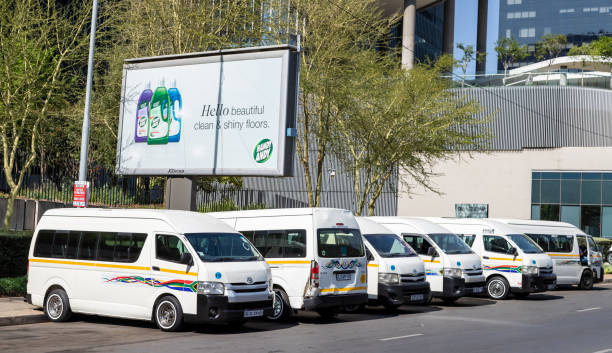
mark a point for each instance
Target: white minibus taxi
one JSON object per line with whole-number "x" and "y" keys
{"x": 396, "y": 275}
{"x": 159, "y": 265}
{"x": 576, "y": 257}
{"x": 316, "y": 255}
{"x": 452, "y": 269}
{"x": 512, "y": 262}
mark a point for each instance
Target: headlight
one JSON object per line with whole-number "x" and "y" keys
{"x": 211, "y": 288}
{"x": 390, "y": 278}
{"x": 452, "y": 272}
{"x": 530, "y": 270}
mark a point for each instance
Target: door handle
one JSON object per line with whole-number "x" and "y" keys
{"x": 273, "y": 266}
{"x": 485, "y": 257}
{"x": 155, "y": 268}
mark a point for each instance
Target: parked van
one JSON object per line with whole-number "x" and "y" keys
{"x": 453, "y": 270}
{"x": 316, "y": 255}
{"x": 164, "y": 266}
{"x": 396, "y": 274}
{"x": 512, "y": 262}
{"x": 576, "y": 258}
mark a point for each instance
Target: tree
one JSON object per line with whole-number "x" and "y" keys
{"x": 39, "y": 45}
{"x": 601, "y": 47}
{"x": 550, "y": 46}
{"x": 400, "y": 123}
{"x": 468, "y": 56}
{"x": 509, "y": 51}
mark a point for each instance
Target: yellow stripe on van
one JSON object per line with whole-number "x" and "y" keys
{"x": 95, "y": 264}
{"x": 63, "y": 262}
{"x": 433, "y": 261}
{"x": 564, "y": 255}
{"x": 287, "y": 262}
{"x": 178, "y": 272}
{"x": 125, "y": 267}
{"x": 325, "y": 290}
{"x": 372, "y": 265}
{"x": 504, "y": 259}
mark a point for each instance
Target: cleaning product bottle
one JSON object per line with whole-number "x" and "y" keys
{"x": 176, "y": 107}
{"x": 142, "y": 114}
{"x": 159, "y": 118}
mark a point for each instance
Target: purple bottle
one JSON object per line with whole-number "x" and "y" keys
{"x": 142, "y": 114}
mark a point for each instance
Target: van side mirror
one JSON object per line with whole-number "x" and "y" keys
{"x": 432, "y": 252}
{"x": 186, "y": 259}
{"x": 512, "y": 251}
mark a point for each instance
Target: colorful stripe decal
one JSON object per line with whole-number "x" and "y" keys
{"x": 431, "y": 273}
{"x": 106, "y": 265}
{"x": 175, "y": 284}
{"x": 503, "y": 268}
{"x": 333, "y": 290}
{"x": 287, "y": 262}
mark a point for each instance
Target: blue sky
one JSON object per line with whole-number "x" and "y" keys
{"x": 466, "y": 13}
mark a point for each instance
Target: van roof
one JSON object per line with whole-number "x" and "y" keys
{"x": 422, "y": 225}
{"x": 274, "y": 212}
{"x": 484, "y": 222}
{"x": 181, "y": 221}
{"x": 541, "y": 224}
{"x": 368, "y": 226}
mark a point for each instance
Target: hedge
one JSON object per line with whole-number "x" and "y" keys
{"x": 13, "y": 287}
{"x": 14, "y": 247}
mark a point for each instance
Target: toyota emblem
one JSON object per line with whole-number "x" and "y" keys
{"x": 249, "y": 280}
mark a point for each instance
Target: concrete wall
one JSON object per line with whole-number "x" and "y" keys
{"x": 500, "y": 179}
{"x": 26, "y": 213}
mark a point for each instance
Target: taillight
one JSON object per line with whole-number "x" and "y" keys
{"x": 314, "y": 274}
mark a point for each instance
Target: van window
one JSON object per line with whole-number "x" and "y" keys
{"x": 87, "y": 246}
{"x": 467, "y": 238}
{"x": 418, "y": 243}
{"x": 65, "y": 244}
{"x": 223, "y": 247}
{"x": 169, "y": 248}
{"x": 278, "y": 243}
{"x": 120, "y": 247}
{"x": 496, "y": 243}
{"x": 340, "y": 243}
{"x": 554, "y": 242}
{"x": 106, "y": 246}
{"x": 450, "y": 243}
{"x": 525, "y": 243}
{"x": 389, "y": 245}
{"x": 44, "y": 242}
{"x": 592, "y": 245}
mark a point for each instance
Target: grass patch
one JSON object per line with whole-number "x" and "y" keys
{"x": 13, "y": 286}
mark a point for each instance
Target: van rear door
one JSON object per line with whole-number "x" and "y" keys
{"x": 341, "y": 259}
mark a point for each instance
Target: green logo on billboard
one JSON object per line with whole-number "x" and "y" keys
{"x": 155, "y": 122}
{"x": 263, "y": 151}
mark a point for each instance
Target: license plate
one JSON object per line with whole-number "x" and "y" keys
{"x": 551, "y": 287}
{"x": 253, "y": 313}
{"x": 343, "y": 276}
{"x": 477, "y": 289}
{"x": 417, "y": 297}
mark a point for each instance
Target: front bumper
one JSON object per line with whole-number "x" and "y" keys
{"x": 474, "y": 288}
{"x": 451, "y": 288}
{"x": 535, "y": 284}
{"x": 334, "y": 300}
{"x": 216, "y": 308}
{"x": 397, "y": 294}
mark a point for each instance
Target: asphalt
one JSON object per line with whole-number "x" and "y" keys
{"x": 566, "y": 320}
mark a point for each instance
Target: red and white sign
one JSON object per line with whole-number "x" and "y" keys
{"x": 80, "y": 196}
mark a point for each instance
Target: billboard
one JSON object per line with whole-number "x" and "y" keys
{"x": 229, "y": 112}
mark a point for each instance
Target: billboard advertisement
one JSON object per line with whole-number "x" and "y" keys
{"x": 216, "y": 113}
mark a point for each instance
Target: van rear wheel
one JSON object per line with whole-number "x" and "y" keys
{"x": 586, "y": 281}
{"x": 328, "y": 313}
{"x": 281, "y": 308}
{"x": 498, "y": 288}
{"x": 57, "y": 306}
{"x": 168, "y": 314}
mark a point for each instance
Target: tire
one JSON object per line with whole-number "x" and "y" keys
{"x": 521, "y": 295}
{"x": 586, "y": 280}
{"x": 282, "y": 309}
{"x": 168, "y": 314}
{"x": 57, "y": 306}
{"x": 328, "y": 313}
{"x": 354, "y": 308}
{"x": 450, "y": 300}
{"x": 609, "y": 258}
{"x": 498, "y": 288}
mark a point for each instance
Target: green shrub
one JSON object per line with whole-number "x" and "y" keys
{"x": 14, "y": 248}
{"x": 607, "y": 268}
{"x": 13, "y": 287}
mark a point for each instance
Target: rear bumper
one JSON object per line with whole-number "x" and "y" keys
{"x": 216, "y": 308}
{"x": 334, "y": 300}
{"x": 397, "y": 294}
{"x": 451, "y": 288}
{"x": 535, "y": 284}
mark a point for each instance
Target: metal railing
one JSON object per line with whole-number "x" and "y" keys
{"x": 591, "y": 79}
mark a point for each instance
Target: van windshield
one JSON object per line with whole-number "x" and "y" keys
{"x": 340, "y": 243}
{"x": 221, "y": 247}
{"x": 525, "y": 243}
{"x": 390, "y": 245}
{"x": 450, "y": 243}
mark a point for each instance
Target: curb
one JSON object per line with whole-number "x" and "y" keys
{"x": 22, "y": 320}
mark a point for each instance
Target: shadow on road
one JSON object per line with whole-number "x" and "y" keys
{"x": 540, "y": 297}
{"x": 465, "y": 302}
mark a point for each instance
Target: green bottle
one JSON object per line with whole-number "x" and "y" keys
{"x": 159, "y": 118}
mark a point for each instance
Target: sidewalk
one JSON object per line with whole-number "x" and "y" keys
{"x": 607, "y": 278}
{"x": 14, "y": 311}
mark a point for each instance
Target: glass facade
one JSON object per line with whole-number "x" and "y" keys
{"x": 528, "y": 20}
{"x": 583, "y": 199}
{"x": 429, "y": 28}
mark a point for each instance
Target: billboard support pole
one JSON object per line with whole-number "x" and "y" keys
{"x": 85, "y": 129}
{"x": 181, "y": 193}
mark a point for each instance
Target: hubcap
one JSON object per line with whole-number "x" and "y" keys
{"x": 166, "y": 314}
{"x": 55, "y": 306}
{"x": 496, "y": 288}
{"x": 278, "y": 305}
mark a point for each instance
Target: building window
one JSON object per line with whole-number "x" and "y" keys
{"x": 508, "y": 33}
{"x": 566, "y": 10}
{"x": 510, "y": 15}
{"x": 547, "y": 30}
{"x": 532, "y": 14}
{"x": 527, "y": 32}
{"x": 515, "y": 2}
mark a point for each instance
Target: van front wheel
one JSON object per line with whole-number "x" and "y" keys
{"x": 280, "y": 305}
{"x": 586, "y": 281}
{"x": 498, "y": 288}
{"x": 168, "y": 314}
{"x": 57, "y": 306}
